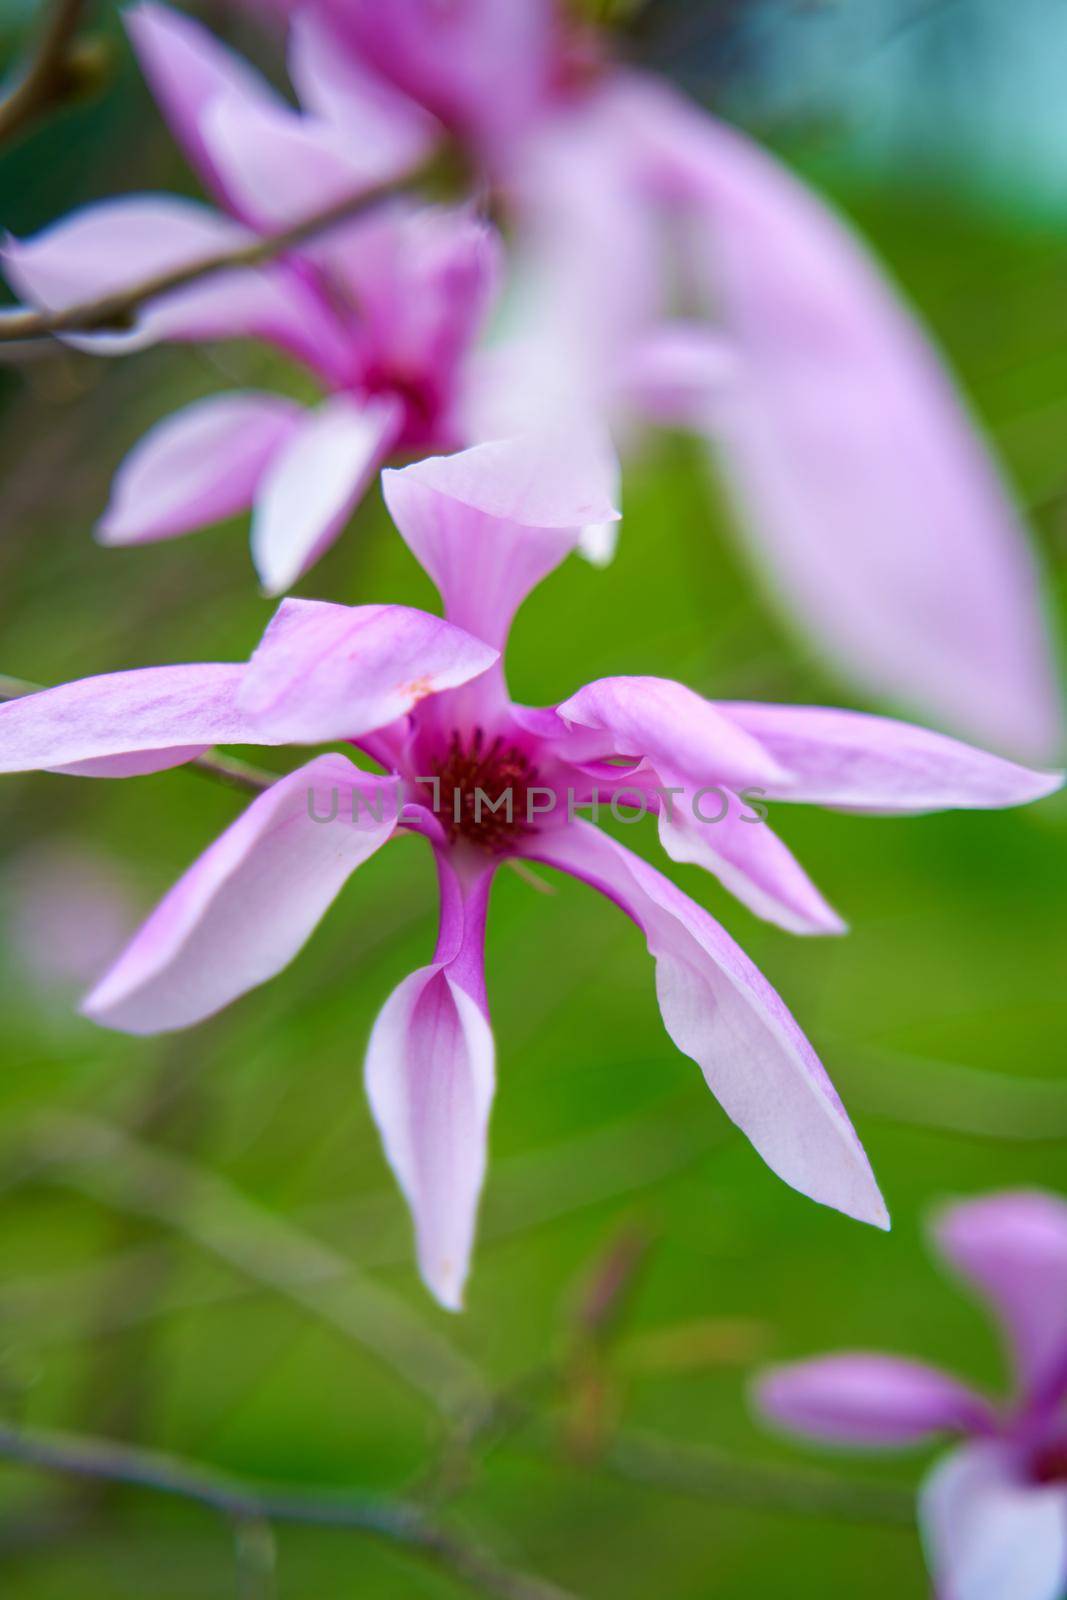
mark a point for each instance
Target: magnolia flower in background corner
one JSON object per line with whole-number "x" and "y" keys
{"x": 993, "y": 1511}
{"x": 383, "y": 309}
{"x": 427, "y": 700}
{"x": 669, "y": 271}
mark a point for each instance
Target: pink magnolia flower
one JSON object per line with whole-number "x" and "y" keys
{"x": 672, "y": 272}
{"x": 485, "y": 780}
{"x": 382, "y": 310}
{"x": 994, "y": 1510}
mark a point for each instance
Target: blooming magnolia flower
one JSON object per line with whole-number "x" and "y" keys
{"x": 994, "y": 1510}
{"x": 485, "y": 780}
{"x": 382, "y": 310}
{"x": 674, "y": 273}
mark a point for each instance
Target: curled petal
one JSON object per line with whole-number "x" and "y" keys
{"x": 1012, "y": 1247}
{"x": 990, "y": 1535}
{"x": 325, "y": 671}
{"x": 313, "y": 482}
{"x": 251, "y": 902}
{"x": 867, "y": 763}
{"x": 868, "y": 1400}
{"x": 139, "y": 721}
{"x": 430, "y": 1081}
{"x": 490, "y": 522}
{"x": 196, "y": 467}
{"x": 723, "y": 1013}
{"x": 331, "y": 82}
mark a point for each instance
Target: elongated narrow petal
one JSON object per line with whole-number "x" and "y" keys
{"x": 187, "y": 68}
{"x": 244, "y": 910}
{"x": 282, "y": 167}
{"x": 670, "y": 726}
{"x": 989, "y": 1535}
{"x": 490, "y": 522}
{"x": 721, "y": 832}
{"x": 331, "y": 82}
{"x": 137, "y": 721}
{"x": 868, "y": 491}
{"x": 875, "y": 1401}
{"x": 850, "y": 759}
{"x": 1012, "y": 1247}
{"x": 723, "y": 1013}
{"x": 108, "y": 248}
{"x": 196, "y": 467}
{"x": 325, "y": 671}
{"x": 430, "y": 1080}
{"x": 313, "y": 482}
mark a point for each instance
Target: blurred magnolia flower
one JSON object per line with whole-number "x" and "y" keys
{"x": 671, "y": 272}
{"x": 382, "y": 309}
{"x": 68, "y": 911}
{"x": 994, "y": 1510}
{"x": 486, "y": 781}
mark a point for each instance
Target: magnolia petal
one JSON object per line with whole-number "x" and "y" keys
{"x": 187, "y": 68}
{"x": 490, "y": 522}
{"x": 196, "y": 467}
{"x": 870, "y": 494}
{"x": 988, "y": 1534}
{"x": 108, "y": 248}
{"x": 668, "y": 725}
{"x": 313, "y": 482}
{"x": 150, "y": 718}
{"x": 332, "y": 84}
{"x": 747, "y": 858}
{"x": 325, "y": 671}
{"x": 430, "y": 1079}
{"x": 1012, "y": 1247}
{"x": 723, "y": 1013}
{"x": 252, "y": 900}
{"x": 851, "y": 759}
{"x": 868, "y": 1400}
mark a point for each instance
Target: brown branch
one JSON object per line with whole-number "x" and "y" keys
{"x": 225, "y": 769}
{"x": 57, "y": 69}
{"x": 115, "y": 310}
{"x": 398, "y": 1522}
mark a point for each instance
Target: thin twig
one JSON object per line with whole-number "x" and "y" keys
{"x": 398, "y": 1522}
{"x": 115, "y": 310}
{"x": 225, "y": 769}
{"x": 52, "y": 73}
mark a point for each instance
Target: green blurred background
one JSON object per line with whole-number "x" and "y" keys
{"x": 130, "y": 1168}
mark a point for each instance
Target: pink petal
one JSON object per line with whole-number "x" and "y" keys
{"x": 681, "y": 375}
{"x": 187, "y": 68}
{"x": 325, "y": 672}
{"x": 670, "y": 726}
{"x": 332, "y": 84}
{"x": 719, "y": 1010}
{"x": 875, "y": 502}
{"x": 252, "y": 900}
{"x": 281, "y": 166}
{"x": 847, "y": 758}
{"x": 126, "y": 722}
{"x": 107, "y": 248}
{"x": 198, "y": 466}
{"x": 748, "y": 859}
{"x": 988, "y": 1534}
{"x": 877, "y": 1401}
{"x": 430, "y": 1081}
{"x": 490, "y": 522}
{"x": 483, "y": 67}
{"x": 313, "y": 482}
{"x": 1012, "y": 1247}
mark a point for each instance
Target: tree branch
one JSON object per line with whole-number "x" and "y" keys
{"x": 115, "y": 310}
{"x": 397, "y": 1522}
{"x": 56, "y": 69}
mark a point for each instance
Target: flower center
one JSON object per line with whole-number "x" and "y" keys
{"x": 484, "y": 791}
{"x": 1049, "y": 1462}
